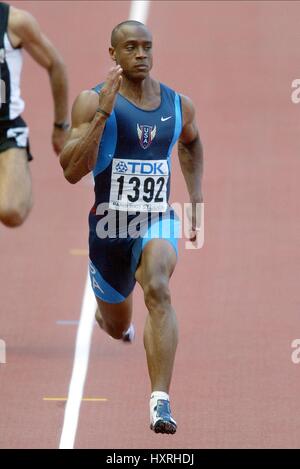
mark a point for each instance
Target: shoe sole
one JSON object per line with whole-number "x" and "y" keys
{"x": 164, "y": 427}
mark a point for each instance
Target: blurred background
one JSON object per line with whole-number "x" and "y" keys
{"x": 237, "y": 298}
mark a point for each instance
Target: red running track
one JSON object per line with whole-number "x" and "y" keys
{"x": 237, "y": 299}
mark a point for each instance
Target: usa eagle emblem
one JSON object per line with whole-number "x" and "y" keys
{"x": 146, "y": 134}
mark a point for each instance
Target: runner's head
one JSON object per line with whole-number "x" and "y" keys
{"x": 131, "y": 47}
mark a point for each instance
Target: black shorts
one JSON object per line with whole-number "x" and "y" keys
{"x": 14, "y": 134}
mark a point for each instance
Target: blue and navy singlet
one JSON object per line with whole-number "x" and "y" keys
{"x": 132, "y": 177}
{"x": 132, "y": 172}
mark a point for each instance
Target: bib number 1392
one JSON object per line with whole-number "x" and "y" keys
{"x": 135, "y": 190}
{"x": 151, "y": 189}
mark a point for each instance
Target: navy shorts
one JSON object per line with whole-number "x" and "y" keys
{"x": 114, "y": 259}
{"x": 14, "y": 134}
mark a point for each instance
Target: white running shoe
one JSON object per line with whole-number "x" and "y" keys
{"x": 161, "y": 419}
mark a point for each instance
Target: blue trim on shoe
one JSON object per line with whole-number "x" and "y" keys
{"x": 163, "y": 421}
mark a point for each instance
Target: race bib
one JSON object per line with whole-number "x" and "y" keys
{"x": 139, "y": 185}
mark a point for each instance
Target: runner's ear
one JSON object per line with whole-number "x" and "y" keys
{"x": 112, "y": 53}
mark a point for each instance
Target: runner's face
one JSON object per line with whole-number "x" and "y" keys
{"x": 134, "y": 52}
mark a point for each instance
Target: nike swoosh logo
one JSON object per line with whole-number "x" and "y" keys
{"x": 163, "y": 119}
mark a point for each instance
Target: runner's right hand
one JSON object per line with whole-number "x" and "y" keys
{"x": 108, "y": 93}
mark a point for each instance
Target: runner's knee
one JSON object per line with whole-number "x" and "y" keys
{"x": 157, "y": 294}
{"x": 11, "y": 216}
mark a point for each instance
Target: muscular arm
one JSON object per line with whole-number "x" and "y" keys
{"x": 79, "y": 154}
{"x": 190, "y": 152}
{"x": 24, "y": 31}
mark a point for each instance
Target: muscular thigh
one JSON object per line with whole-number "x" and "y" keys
{"x": 15, "y": 179}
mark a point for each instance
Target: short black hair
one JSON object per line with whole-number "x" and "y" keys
{"x": 113, "y": 39}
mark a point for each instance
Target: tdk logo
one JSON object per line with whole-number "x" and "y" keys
{"x": 141, "y": 168}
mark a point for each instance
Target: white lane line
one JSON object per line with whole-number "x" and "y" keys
{"x": 80, "y": 366}
{"x": 138, "y": 11}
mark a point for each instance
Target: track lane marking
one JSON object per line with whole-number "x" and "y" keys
{"x": 82, "y": 351}
{"x": 84, "y": 399}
